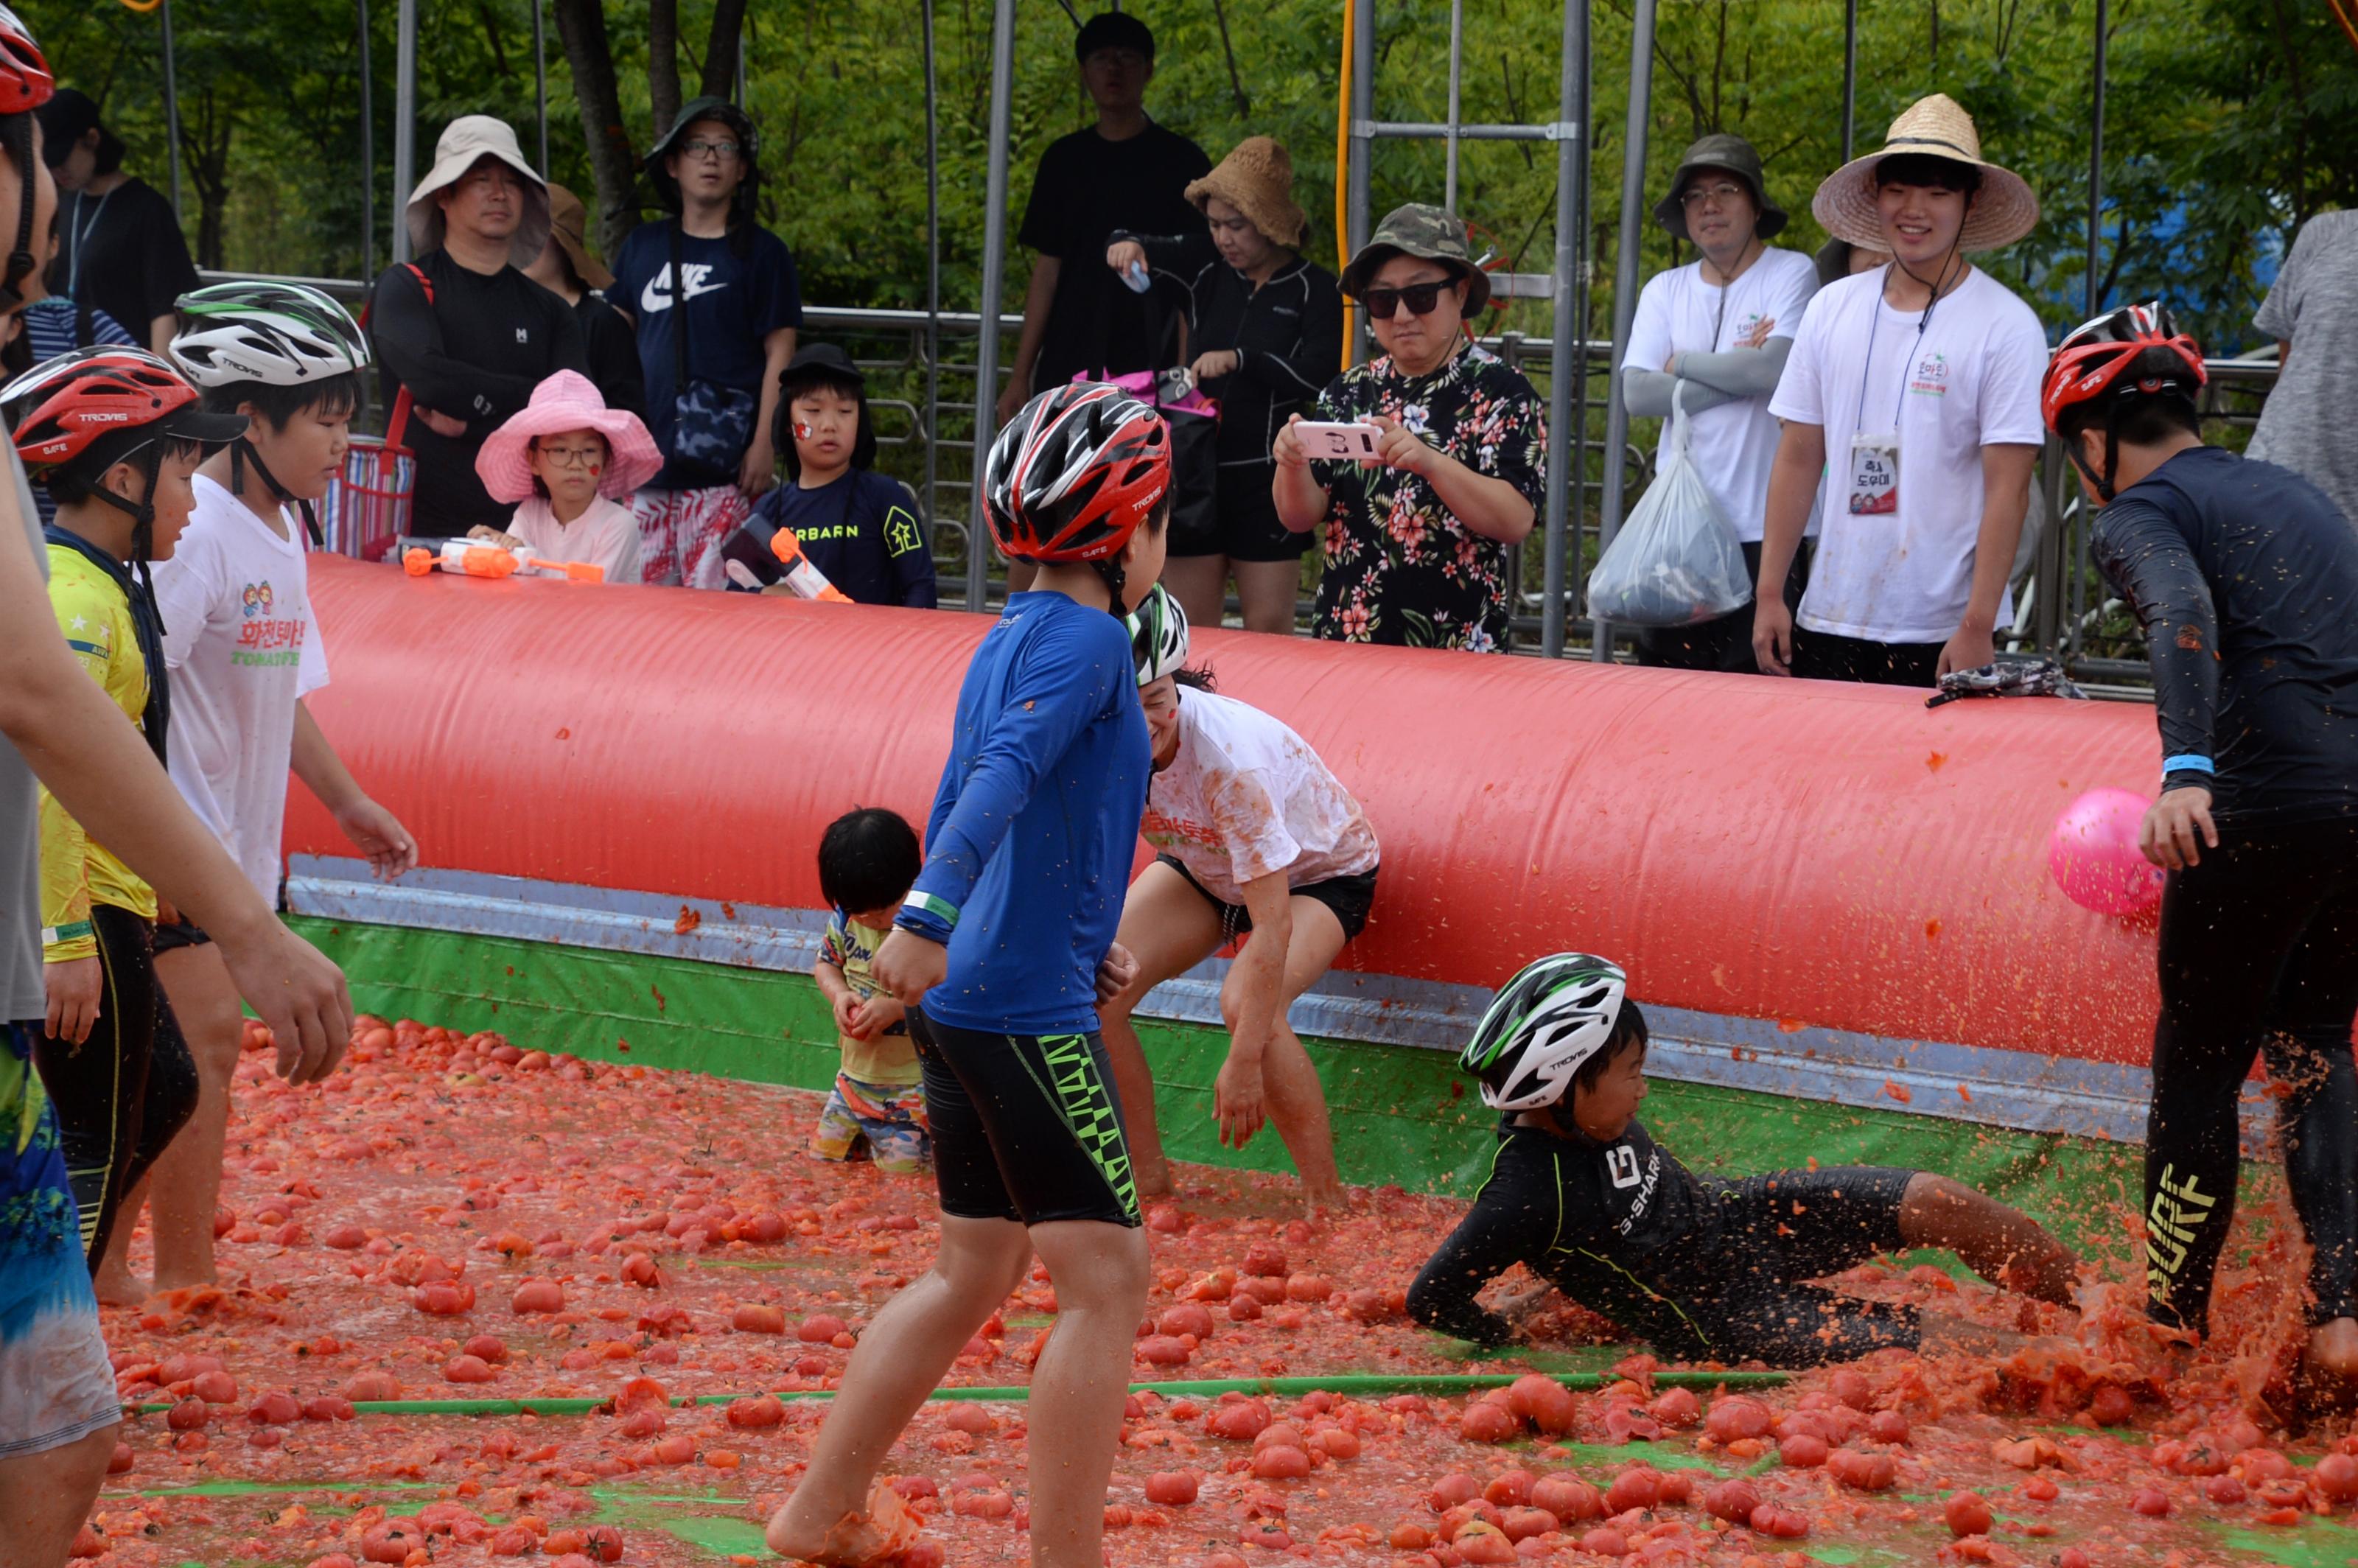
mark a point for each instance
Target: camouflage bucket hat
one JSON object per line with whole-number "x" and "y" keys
{"x": 1429, "y": 234}
{"x": 1732, "y": 155}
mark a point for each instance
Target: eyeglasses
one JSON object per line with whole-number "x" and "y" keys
{"x": 571, "y": 457}
{"x": 700, "y": 148}
{"x": 1722, "y": 194}
{"x": 1419, "y": 299}
{"x": 1230, "y": 225}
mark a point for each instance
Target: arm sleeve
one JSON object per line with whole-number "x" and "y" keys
{"x": 830, "y": 946}
{"x": 1489, "y": 1241}
{"x": 409, "y": 344}
{"x": 1061, "y": 685}
{"x": 2138, "y": 550}
{"x": 1180, "y": 257}
{"x": 1648, "y": 393}
{"x": 1650, "y": 326}
{"x": 1739, "y": 373}
{"x": 906, "y": 547}
{"x": 1311, "y": 365}
{"x": 2280, "y": 311}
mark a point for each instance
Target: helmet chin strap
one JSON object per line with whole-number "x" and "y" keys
{"x": 2102, "y": 481}
{"x": 240, "y": 452}
{"x": 1111, "y": 571}
{"x": 143, "y": 512}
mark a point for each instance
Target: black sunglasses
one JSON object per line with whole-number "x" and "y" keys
{"x": 1419, "y": 299}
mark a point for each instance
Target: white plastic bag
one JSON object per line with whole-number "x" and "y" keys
{"x": 1676, "y": 561}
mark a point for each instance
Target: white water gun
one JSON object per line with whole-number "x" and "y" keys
{"x": 476, "y": 557}
{"x": 794, "y": 568}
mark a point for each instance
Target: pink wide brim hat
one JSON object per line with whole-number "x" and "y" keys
{"x": 566, "y": 401}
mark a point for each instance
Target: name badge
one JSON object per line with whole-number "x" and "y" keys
{"x": 1875, "y": 474}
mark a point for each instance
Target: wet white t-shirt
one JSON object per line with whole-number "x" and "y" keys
{"x": 1246, "y": 797}
{"x": 1734, "y": 443}
{"x": 605, "y": 535}
{"x": 243, "y": 649}
{"x": 1969, "y": 381}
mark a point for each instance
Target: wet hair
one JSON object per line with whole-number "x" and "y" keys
{"x": 867, "y": 859}
{"x": 279, "y": 407}
{"x": 2139, "y": 419}
{"x": 1628, "y": 1033}
{"x": 77, "y": 481}
{"x": 1196, "y": 677}
{"x": 1927, "y": 170}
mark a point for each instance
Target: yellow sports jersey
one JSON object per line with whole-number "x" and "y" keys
{"x": 888, "y": 1061}
{"x": 75, "y": 872}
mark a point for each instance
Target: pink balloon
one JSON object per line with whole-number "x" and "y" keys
{"x": 2093, "y": 852}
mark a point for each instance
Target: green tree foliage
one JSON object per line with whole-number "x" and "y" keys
{"x": 2227, "y": 119}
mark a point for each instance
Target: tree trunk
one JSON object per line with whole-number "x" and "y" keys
{"x": 662, "y": 63}
{"x": 721, "y": 56}
{"x": 581, "y": 29}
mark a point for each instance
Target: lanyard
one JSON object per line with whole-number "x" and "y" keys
{"x": 1866, "y": 371}
{"x": 81, "y": 232}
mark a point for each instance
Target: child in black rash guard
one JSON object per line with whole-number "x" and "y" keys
{"x": 1703, "y": 1268}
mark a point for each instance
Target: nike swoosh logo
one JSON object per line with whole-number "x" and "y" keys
{"x": 656, "y": 294}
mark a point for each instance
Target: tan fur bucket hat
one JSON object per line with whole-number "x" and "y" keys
{"x": 1257, "y": 179}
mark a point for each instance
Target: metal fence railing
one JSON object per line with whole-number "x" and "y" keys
{"x": 922, "y": 371}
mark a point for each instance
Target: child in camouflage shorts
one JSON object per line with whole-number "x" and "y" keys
{"x": 867, "y": 859}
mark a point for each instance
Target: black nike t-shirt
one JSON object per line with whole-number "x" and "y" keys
{"x": 1087, "y": 187}
{"x": 124, "y": 252}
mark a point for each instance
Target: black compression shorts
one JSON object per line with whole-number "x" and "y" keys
{"x": 1349, "y": 897}
{"x": 1768, "y": 1236}
{"x": 1026, "y": 1127}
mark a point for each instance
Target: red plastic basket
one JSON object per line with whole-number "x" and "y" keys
{"x": 368, "y": 506}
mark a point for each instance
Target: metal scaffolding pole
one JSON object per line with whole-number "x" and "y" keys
{"x": 405, "y": 126}
{"x": 368, "y": 151}
{"x": 1564, "y": 368}
{"x": 1625, "y": 285}
{"x": 1850, "y": 77}
{"x": 1363, "y": 147}
{"x": 2096, "y": 172}
{"x": 1457, "y": 78}
{"x": 994, "y": 279}
{"x": 934, "y": 285}
{"x": 540, "y": 78}
{"x": 172, "y": 103}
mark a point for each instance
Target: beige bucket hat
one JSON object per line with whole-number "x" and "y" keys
{"x": 466, "y": 142}
{"x": 1257, "y": 179}
{"x": 2004, "y": 210}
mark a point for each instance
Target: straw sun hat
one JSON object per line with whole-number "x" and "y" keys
{"x": 2003, "y": 211}
{"x": 1257, "y": 179}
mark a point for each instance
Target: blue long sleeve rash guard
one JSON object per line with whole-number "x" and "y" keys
{"x": 1028, "y": 846}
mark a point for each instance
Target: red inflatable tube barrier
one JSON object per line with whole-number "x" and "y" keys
{"x": 1818, "y": 854}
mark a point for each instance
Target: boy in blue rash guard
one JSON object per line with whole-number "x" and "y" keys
{"x": 1002, "y": 952}
{"x": 2244, "y": 575}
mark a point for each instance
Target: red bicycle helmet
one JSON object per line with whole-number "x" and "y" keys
{"x": 68, "y": 408}
{"x": 2137, "y": 343}
{"x": 1075, "y": 473}
{"x": 25, "y": 80}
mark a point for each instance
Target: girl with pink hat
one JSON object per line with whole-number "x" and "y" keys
{"x": 567, "y": 459}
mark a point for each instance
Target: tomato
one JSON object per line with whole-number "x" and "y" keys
{"x": 1453, "y": 1490}
{"x": 1803, "y": 1450}
{"x": 1509, "y": 1489}
{"x": 2150, "y": 1501}
{"x": 1967, "y": 1513}
{"x": 1238, "y": 1419}
{"x": 1736, "y": 1416}
{"x": 1174, "y": 1488}
{"x": 1567, "y": 1497}
{"x": 1486, "y": 1423}
{"x": 756, "y": 1411}
{"x": 1888, "y": 1426}
{"x": 1732, "y": 1501}
{"x": 538, "y": 1295}
{"x": 2336, "y": 1477}
{"x": 1638, "y": 1487}
{"x": 1281, "y": 1461}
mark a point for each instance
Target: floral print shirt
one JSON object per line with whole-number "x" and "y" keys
{"x": 1399, "y": 567}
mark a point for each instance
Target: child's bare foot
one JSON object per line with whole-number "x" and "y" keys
{"x": 117, "y": 1286}
{"x": 864, "y": 1539}
{"x": 185, "y": 1280}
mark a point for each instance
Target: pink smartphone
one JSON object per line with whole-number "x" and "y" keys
{"x": 1340, "y": 442}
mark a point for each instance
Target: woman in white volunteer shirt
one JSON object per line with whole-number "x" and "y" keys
{"x": 1256, "y": 835}
{"x": 1910, "y": 402}
{"x": 244, "y": 651}
{"x": 1716, "y": 333}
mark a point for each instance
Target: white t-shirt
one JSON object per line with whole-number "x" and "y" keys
{"x": 1735, "y": 444}
{"x": 607, "y": 534}
{"x": 243, "y": 650}
{"x": 1970, "y": 382}
{"x": 1245, "y": 797}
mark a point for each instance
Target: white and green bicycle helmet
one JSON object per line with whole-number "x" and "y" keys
{"x": 1543, "y": 1024}
{"x": 1158, "y": 636}
{"x": 282, "y": 334}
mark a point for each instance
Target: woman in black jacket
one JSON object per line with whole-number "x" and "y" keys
{"x": 1265, "y": 329}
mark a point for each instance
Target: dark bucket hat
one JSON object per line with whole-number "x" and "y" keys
{"x": 1720, "y": 150}
{"x": 1428, "y": 234}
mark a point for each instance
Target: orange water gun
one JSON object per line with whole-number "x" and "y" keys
{"x": 794, "y": 569}
{"x": 474, "y": 557}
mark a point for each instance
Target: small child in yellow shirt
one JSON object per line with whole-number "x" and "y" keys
{"x": 867, "y": 861}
